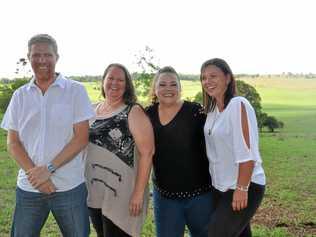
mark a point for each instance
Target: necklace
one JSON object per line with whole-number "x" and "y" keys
{"x": 210, "y": 130}
{"x": 105, "y": 109}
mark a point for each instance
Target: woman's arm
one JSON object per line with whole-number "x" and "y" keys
{"x": 240, "y": 197}
{"x": 142, "y": 132}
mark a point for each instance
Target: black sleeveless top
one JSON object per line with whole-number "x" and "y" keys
{"x": 114, "y": 135}
{"x": 180, "y": 163}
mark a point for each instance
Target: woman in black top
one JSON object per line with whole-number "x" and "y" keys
{"x": 181, "y": 178}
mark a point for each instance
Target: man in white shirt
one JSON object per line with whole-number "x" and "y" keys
{"x": 47, "y": 124}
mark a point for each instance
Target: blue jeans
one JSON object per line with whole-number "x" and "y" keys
{"x": 69, "y": 209}
{"x": 171, "y": 215}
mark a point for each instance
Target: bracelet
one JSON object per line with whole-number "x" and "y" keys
{"x": 242, "y": 188}
{"x": 51, "y": 168}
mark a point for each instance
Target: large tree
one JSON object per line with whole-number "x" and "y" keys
{"x": 249, "y": 92}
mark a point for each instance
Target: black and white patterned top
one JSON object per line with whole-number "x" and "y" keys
{"x": 114, "y": 135}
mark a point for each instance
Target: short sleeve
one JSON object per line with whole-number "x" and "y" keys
{"x": 10, "y": 118}
{"x": 150, "y": 110}
{"x": 83, "y": 109}
{"x": 240, "y": 149}
{"x": 199, "y": 115}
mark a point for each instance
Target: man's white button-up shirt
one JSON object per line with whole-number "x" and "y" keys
{"x": 45, "y": 125}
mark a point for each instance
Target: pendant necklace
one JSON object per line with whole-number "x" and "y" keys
{"x": 210, "y": 130}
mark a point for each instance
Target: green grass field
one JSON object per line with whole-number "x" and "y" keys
{"x": 289, "y": 157}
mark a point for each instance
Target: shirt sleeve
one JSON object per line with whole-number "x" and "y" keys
{"x": 240, "y": 148}
{"x": 83, "y": 108}
{"x": 10, "y": 118}
{"x": 199, "y": 114}
{"x": 199, "y": 118}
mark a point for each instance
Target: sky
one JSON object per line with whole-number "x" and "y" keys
{"x": 253, "y": 36}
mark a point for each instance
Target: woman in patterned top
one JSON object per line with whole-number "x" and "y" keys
{"x": 181, "y": 179}
{"x": 117, "y": 173}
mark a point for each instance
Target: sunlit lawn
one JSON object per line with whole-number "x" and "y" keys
{"x": 289, "y": 160}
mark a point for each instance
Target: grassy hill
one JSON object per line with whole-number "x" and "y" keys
{"x": 289, "y": 157}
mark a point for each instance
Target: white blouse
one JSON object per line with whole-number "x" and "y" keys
{"x": 226, "y": 147}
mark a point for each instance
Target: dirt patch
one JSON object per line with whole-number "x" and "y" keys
{"x": 274, "y": 215}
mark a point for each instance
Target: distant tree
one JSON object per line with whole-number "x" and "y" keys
{"x": 23, "y": 68}
{"x": 9, "y": 86}
{"x": 245, "y": 90}
{"x": 188, "y": 77}
{"x": 250, "y": 93}
{"x": 148, "y": 64}
{"x": 6, "y": 92}
{"x": 147, "y": 61}
{"x": 142, "y": 83}
{"x": 5, "y": 80}
{"x": 261, "y": 118}
{"x": 272, "y": 123}
{"x": 86, "y": 78}
{"x": 281, "y": 124}
{"x": 198, "y": 97}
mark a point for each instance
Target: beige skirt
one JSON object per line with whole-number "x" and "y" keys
{"x": 110, "y": 183}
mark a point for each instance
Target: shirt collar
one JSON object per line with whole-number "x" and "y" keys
{"x": 59, "y": 81}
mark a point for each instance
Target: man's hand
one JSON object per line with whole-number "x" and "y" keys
{"x": 38, "y": 175}
{"x": 47, "y": 187}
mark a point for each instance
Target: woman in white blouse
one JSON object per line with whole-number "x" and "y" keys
{"x": 231, "y": 136}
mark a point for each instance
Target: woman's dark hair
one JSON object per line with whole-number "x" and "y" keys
{"x": 129, "y": 96}
{"x": 166, "y": 69}
{"x": 209, "y": 102}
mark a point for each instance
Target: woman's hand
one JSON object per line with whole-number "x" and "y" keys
{"x": 136, "y": 204}
{"x": 240, "y": 200}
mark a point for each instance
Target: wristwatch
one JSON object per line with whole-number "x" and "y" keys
{"x": 51, "y": 168}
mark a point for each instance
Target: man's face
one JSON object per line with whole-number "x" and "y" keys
{"x": 43, "y": 60}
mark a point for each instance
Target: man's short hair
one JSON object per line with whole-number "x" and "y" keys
{"x": 43, "y": 38}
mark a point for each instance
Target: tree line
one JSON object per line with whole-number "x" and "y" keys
{"x": 142, "y": 82}
{"x": 148, "y": 64}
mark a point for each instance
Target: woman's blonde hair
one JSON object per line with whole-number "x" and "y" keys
{"x": 166, "y": 69}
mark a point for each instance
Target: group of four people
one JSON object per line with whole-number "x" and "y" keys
{"x": 207, "y": 172}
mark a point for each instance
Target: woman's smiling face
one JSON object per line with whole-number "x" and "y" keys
{"x": 167, "y": 88}
{"x": 214, "y": 81}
